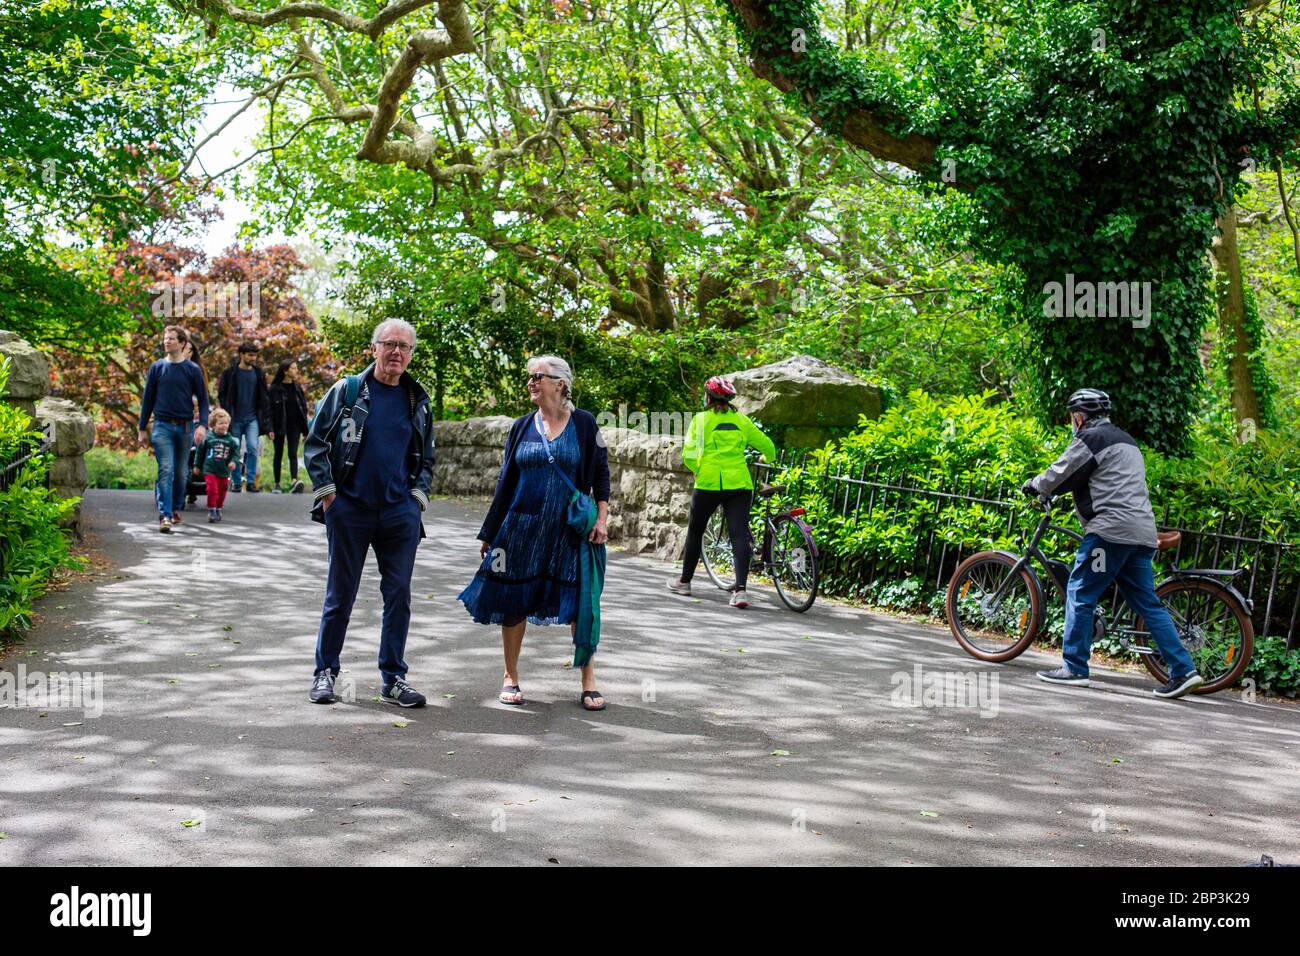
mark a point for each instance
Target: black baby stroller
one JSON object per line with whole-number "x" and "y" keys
{"x": 194, "y": 484}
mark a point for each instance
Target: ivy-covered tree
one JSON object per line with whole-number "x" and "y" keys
{"x": 1084, "y": 145}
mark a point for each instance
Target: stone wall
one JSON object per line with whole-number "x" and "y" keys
{"x": 650, "y": 489}
{"x": 71, "y": 429}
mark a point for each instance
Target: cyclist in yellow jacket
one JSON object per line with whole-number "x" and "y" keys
{"x": 715, "y": 452}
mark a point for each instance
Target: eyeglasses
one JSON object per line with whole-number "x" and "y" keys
{"x": 538, "y": 376}
{"x": 402, "y": 347}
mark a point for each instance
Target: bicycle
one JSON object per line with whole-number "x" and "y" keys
{"x": 995, "y": 609}
{"x": 788, "y": 556}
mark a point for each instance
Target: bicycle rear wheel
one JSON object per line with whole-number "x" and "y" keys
{"x": 1212, "y": 625}
{"x": 986, "y": 631}
{"x": 794, "y": 564}
{"x": 719, "y": 561}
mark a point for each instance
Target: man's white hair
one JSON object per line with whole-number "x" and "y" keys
{"x": 554, "y": 365}
{"x": 387, "y": 324}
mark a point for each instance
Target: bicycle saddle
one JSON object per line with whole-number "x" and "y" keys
{"x": 1168, "y": 540}
{"x": 767, "y": 491}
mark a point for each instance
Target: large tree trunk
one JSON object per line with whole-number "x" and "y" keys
{"x": 1233, "y": 333}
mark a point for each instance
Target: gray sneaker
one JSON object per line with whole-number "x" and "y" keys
{"x": 1063, "y": 675}
{"x": 739, "y": 598}
{"x": 1179, "y": 686}
{"x": 680, "y": 587}
{"x": 322, "y": 689}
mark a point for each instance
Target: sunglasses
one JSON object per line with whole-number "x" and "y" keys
{"x": 538, "y": 376}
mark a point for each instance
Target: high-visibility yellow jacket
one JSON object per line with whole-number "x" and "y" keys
{"x": 715, "y": 450}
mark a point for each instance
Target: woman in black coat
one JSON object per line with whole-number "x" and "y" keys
{"x": 288, "y": 418}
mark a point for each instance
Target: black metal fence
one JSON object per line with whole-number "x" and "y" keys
{"x": 1271, "y": 582}
{"x": 27, "y": 450}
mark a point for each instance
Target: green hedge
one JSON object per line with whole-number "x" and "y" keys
{"x": 32, "y": 544}
{"x": 987, "y": 450}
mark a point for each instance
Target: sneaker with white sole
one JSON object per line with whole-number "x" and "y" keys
{"x": 1178, "y": 686}
{"x": 164, "y": 524}
{"x": 402, "y": 694}
{"x": 739, "y": 599}
{"x": 322, "y": 689}
{"x": 680, "y": 587}
{"x": 1063, "y": 675}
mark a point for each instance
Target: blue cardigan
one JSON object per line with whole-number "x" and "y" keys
{"x": 593, "y": 468}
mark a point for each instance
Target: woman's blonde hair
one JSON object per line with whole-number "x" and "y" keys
{"x": 217, "y": 415}
{"x": 554, "y": 365}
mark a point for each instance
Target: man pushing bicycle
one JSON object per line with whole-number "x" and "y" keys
{"x": 1104, "y": 470}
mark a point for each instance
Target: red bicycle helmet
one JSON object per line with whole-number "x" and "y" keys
{"x": 720, "y": 387}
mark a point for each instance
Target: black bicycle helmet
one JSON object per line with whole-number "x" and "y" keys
{"x": 1090, "y": 401}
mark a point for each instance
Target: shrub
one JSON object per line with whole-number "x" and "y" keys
{"x": 32, "y": 544}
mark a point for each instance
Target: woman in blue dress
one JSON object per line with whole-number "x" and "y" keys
{"x": 530, "y": 555}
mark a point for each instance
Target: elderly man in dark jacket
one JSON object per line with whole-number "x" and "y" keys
{"x": 369, "y": 455}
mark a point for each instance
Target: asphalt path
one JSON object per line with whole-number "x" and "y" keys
{"x": 732, "y": 737}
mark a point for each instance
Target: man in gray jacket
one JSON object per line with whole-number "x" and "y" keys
{"x": 1103, "y": 468}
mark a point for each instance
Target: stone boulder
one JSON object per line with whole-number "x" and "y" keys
{"x": 71, "y": 428}
{"x": 805, "y": 399}
{"x": 29, "y": 373}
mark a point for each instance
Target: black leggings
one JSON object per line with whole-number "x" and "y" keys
{"x": 735, "y": 505}
{"x": 293, "y": 454}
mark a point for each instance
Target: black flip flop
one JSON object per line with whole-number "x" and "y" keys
{"x": 593, "y": 694}
{"x": 510, "y": 689}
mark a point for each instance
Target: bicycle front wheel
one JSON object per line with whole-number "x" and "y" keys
{"x": 1213, "y": 627}
{"x": 719, "y": 560}
{"x": 993, "y": 628}
{"x": 794, "y": 564}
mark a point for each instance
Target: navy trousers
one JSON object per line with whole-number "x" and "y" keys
{"x": 352, "y": 530}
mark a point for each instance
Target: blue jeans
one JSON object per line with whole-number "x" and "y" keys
{"x": 351, "y": 530}
{"x": 1098, "y": 563}
{"x": 171, "y": 448}
{"x": 246, "y": 434}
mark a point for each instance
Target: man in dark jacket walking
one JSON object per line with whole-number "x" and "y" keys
{"x": 369, "y": 455}
{"x": 1103, "y": 468}
{"x": 242, "y": 392}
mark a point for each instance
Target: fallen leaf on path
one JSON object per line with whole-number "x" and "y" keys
{"x": 451, "y": 753}
{"x": 551, "y": 859}
{"x": 780, "y": 753}
{"x": 75, "y": 723}
{"x": 173, "y": 681}
{"x": 1116, "y": 759}
{"x": 226, "y": 627}
{"x": 399, "y": 724}
{"x": 191, "y": 823}
{"x": 449, "y": 696}
{"x": 928, "y": 813}
{"x": 143, "y": 620}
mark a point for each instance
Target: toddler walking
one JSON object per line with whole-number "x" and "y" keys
{"x": 217, "y": 453}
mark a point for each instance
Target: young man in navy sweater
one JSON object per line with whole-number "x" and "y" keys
{"x": 173, "y": 385}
